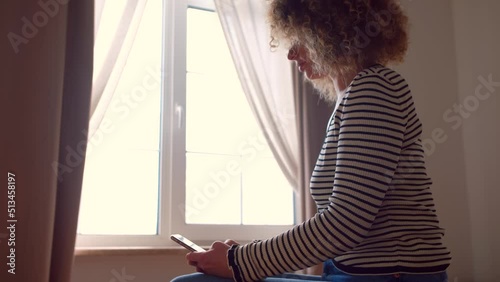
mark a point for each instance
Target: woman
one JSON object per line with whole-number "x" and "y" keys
{"x": 376, "y": 219}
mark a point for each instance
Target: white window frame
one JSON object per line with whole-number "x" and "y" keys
{"x": 172, "y": 160}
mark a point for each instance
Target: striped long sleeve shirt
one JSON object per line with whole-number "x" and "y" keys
{"x": 376, "y": 213}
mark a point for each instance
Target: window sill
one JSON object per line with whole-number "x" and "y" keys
{"x": 129, "y": 251}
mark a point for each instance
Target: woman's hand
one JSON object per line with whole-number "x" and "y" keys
{"x": 213, "y": 261}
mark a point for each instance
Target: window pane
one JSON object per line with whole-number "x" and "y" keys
{"x": 120, "y": 193}
{"x": 218, "y": 117}
{"x": 267, "y": 195}
{"x": 213, "y": 189}
{"x": 120, "y": 186}
{"x": 206, "y": 45}
{"x": 222, "y": 133}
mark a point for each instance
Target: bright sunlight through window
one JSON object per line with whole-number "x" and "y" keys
{"x": 231, "y": 174}
{"x": 120, "y": 185}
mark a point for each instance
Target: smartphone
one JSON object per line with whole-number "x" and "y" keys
{"x": 186, "y": 243}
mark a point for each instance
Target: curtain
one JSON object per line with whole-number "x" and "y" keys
{"x": 45, "y": 88}
{"x": 312, "y": 115}
{"x": 291, "y": 116}
{"x": 265, "y": 77}
{"x": 114, "y": 38}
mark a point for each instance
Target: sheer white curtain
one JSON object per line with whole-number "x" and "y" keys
{"x": 266, "y": 78}
{"x": 291, "y": 116}
{"x": 116, "y": 24}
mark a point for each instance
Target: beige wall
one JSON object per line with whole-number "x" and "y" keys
{"x": 477, "y": 40}
{"x": 155, "y": 268}
{"x": 431, "y": 70}
{"x": 452, "y": 43}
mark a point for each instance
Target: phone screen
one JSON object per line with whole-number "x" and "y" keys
{"x": 186, "y": 243}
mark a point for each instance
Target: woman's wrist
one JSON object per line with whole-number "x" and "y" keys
{"x": 232, "y": 264}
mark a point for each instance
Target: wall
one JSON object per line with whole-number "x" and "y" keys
{"x": 155, "y": 268}
{"x": 452, "y": 43}
{"x": 477, "y": 45}
{"x": 431, "y": 71}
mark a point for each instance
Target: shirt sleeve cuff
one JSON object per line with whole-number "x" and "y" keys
{"x": 231, "y": 258}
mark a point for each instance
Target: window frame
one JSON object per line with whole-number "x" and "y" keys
{"x": 172, "y": 167}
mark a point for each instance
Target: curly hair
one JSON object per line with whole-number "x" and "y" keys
{"x": 341, "y": 36}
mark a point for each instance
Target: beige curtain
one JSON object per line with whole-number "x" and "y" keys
{"x": 45, "y": 89}
{"x": 312, "y": 117}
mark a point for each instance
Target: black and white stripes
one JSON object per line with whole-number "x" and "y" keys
{"x": 375, "y": 209}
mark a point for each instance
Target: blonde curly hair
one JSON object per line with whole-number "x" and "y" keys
{"x": 341, "y": 36}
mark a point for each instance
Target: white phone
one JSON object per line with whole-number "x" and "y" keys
{"x": 186, "y": 243}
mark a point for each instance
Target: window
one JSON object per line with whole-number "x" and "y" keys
{"x": 185, "y": 154}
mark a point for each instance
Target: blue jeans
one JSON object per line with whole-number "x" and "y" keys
{"x": 330, "y": 273}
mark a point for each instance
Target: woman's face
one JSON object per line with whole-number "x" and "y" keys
{"x": 300, "y": 54}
